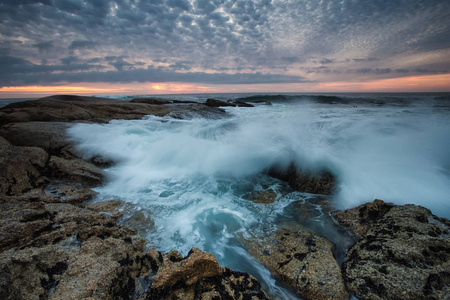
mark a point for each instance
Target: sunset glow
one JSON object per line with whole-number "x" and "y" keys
{"x": 429, "y": 83}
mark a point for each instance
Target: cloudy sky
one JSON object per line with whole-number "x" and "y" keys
{"x": 174, "y": 46}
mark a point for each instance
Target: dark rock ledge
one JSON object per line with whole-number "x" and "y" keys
{"x": 403, "y": 252}
{"x": 55, "y": 245}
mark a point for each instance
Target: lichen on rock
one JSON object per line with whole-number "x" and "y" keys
{"x": 403, "y": 252}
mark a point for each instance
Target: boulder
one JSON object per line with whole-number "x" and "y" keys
{"x": 302, "y": 259}
{"x": 199, "y": 276}
{"x": 50, "y": 136}
{"x": 308, "y": 182}
{"x": 361, "y": 219}
{"x": 403, "y": 252}
{"x": 75, "y": 170}
{"x": 265, "y": 197}
{"x": 218, "y": 103}
{"x": 19, "y": 168}
{"x": 197, "y": 266}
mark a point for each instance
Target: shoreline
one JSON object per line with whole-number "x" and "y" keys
{"x": 57, "y": 237}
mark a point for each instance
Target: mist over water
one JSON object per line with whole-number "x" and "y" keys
{"x": 194, "y": 177}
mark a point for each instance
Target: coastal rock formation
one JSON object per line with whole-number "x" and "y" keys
{"x": 154, "y": 101}
{"x": 55, "y": 246}
{"x": 307, "y": 182}
{"x": 199, "y": 276}
{"x": 403, "y": 252}
{"x": 68, "y": 108}
{"x": 49, "y": 136}
{"x": 19, "y": 168}
{"x": 75, "y": 170}
{"x": 218, "y": 103}
{"x": 302, "y": 260}
{"x": 230, "y": 103}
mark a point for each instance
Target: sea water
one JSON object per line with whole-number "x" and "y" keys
{"x": 192, "y": 181}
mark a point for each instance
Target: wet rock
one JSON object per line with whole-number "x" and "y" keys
{"x": 197, "y": 266}
{"x": 302, "y": 260}
{"x": 218, "y": 103}
{"x": 140, "y": 221}
{"x": 302, "y": 181}
{"x": 403, "y": 252}
{"x": 75, "y": 170}
{"x": 18, "y": 168}
{"x": 74, "y": 194}
{"x": 199, "y": 276}
{"x": 196, "y": 110}
{"x": 265, "y": 197}
{"x": 360, "y": 220}
{"x": 49, "y": 136}
{"x": 110, "y": 207}
{"x": 242, "y": 104}
{"x": 153, "y": 101}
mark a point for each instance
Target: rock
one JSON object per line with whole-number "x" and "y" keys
{"x": 18, "y": 168}
{"x": 360, "y": 220}
{"x": 153, "y": 101}
{"x": 50, "y": 136}
{"x": 302, "y": 259}
{"x": 242, "y": 104}
{"x": 218, "y": 103}
{"x": 196, "y": 110}
{"x": 302, "y": 181}
{"x": 75, "y": 170}
{"x": 265, "y": 197}
{"x": 31, "y": 272}
{"x": 197, "y": 266}
{"x": 68, "y": 108}
{"x": 199, "y": 276}
{"x": 97, "y": 268}
{"x": 74, "y": 194}
{"x": 102, "y": 269}
{"x": 403, "y": 252}
{"x": 139, "y": 220}
{"x": 110, "y": 207}
{"x": 61, "y": 251}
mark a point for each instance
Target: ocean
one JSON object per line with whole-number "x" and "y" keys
{"x": 191, "y": 182}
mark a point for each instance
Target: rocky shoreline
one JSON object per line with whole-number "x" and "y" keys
{"x": 55, "y": 244}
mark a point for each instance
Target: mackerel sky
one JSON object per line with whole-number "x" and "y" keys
{"x": 223, "y": 43}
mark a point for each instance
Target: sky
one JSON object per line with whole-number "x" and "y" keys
{"x": 200, "y": 46}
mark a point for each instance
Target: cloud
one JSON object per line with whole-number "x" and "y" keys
{"x": 22, "y": 72}
{"x": 374, "y": 71}
{"x": 82, "y": 45}
{"x": 282, "y": 38}
{"x": 43, "y": 46}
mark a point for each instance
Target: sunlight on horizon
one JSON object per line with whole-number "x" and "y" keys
{"x": 428, "y": 83}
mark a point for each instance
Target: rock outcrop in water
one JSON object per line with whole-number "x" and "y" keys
{"x": 315, "y": 183}
{"x": 302, "y": 259}
{"x": 199, "y": 276}
{"x": 403, "y": 252}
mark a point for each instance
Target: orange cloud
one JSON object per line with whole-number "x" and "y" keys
{"x": 428, "y": 83}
